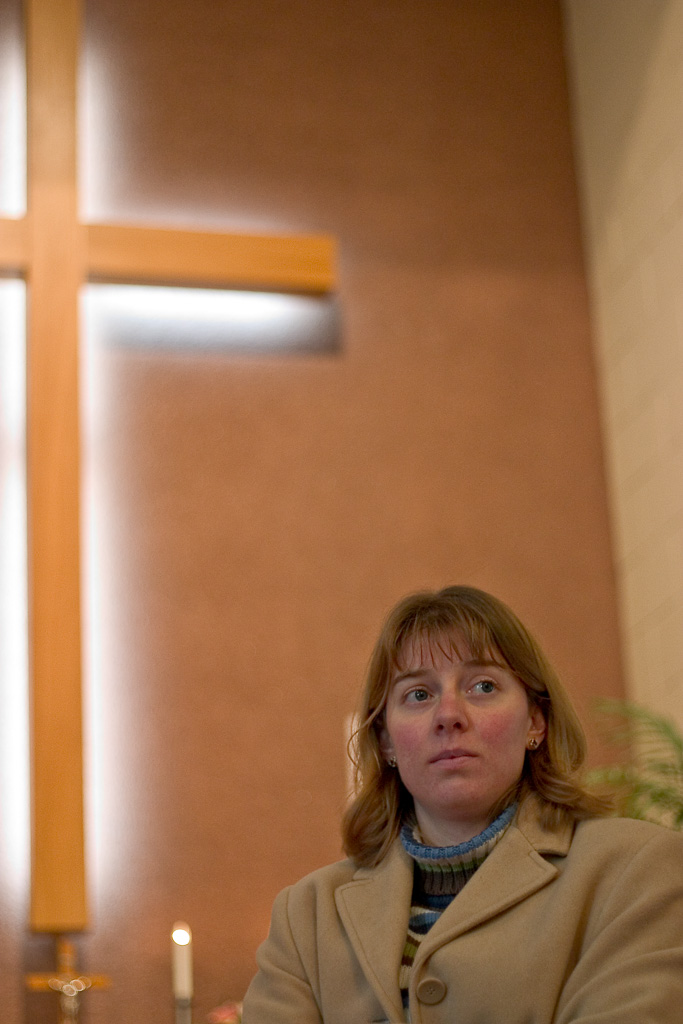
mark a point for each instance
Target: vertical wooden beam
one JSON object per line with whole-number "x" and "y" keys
{"x": 58, "y": 896}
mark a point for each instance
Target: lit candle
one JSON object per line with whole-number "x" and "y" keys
{"x": 182, "y": 960}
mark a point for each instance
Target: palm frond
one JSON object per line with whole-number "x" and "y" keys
{"x": 643, "y": 724}
{"x": 649, "y": 783}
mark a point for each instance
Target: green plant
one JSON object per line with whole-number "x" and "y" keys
{"x": 648, "y": 783}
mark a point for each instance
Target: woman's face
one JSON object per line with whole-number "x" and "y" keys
{"x": 459, "y": 730}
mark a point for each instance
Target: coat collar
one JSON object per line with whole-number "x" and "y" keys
{"x": 375, "y": 905}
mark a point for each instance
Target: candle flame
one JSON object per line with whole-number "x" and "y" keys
{"x": 181, "y": 934}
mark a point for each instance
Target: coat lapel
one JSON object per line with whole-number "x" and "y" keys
{"x": 375, "y": 908}
{"x": 513, "y": 871}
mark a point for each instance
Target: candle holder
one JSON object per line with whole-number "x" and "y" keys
{"x": 183, "y": 1011}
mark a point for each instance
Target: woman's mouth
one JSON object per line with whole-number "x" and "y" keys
{"x": 456, "y": 754}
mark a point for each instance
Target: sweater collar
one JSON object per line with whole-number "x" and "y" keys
{"x": 473, "y": 850}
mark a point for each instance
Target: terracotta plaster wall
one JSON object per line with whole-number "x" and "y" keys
{"x": 257, "y": 515}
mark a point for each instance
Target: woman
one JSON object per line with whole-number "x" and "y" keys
{"x": 483, "y": 885}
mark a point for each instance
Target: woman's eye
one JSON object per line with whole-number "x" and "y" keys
{"x": 417, "y": 696}
{"x": 484, "y": 686}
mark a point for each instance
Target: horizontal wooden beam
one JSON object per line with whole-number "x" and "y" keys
{"x": 14, "y": 244}
{"x": 297, "y": 263}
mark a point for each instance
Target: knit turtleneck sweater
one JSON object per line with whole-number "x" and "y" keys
{"x": 439, "y": 875}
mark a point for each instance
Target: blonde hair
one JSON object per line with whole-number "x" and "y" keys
{"x": 489, "y": 630}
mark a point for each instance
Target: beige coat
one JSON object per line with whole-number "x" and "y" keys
{"x": 554, "y": 928}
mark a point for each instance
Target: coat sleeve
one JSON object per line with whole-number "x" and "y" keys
{"x": 280, "y": 992}
{"x": 630, "y": 968}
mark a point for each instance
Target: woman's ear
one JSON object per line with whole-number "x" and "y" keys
{"x": 538, "y": 727}
{"x": 385, "y": 745}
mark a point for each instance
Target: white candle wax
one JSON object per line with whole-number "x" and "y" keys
{"x": 181, "y": 946}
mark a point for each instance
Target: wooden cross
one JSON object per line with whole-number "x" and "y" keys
{"x": 56, "y": 253}
{"x": 67, "y": 981}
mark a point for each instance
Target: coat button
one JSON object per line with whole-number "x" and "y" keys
{"x": 431, "y": 990}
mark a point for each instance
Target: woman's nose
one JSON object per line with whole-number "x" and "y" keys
{"x": 451, "y": 712}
